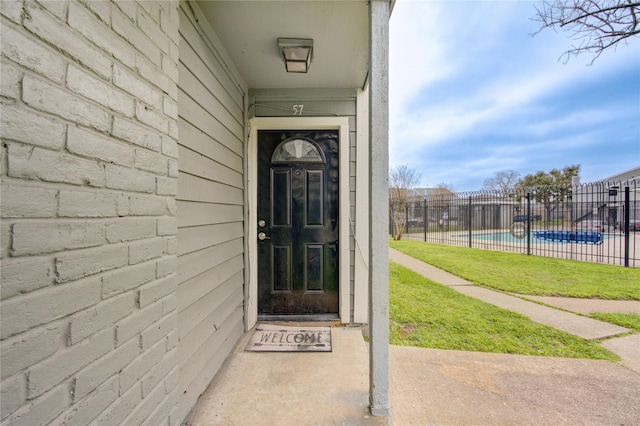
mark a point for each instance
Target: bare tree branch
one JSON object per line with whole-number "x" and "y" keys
{"x": 503, "y": 181}
{"x": 598, "y": 25}
{"x": 402, "y": 182}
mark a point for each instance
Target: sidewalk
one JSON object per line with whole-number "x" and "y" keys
{"x": 627, "y": 347}
{"x": 428, "y": 386}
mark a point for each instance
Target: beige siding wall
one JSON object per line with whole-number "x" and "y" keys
{"x": 210, "y": 209}
{"x": 88, "y": 245}
{"x": 319, "y": 103}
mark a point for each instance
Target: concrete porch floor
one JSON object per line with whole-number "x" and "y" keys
{"x": 428, "y": 387}
{"x": 288, "y": 388}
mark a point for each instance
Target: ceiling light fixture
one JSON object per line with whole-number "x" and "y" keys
{"x": 296, "y": 53}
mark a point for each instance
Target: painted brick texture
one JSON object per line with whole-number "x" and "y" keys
{"x": 89, "y": 180}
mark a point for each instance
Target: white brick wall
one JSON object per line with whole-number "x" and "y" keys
{"x": 25, "y": 275}
{"x": 135, "y": 133}
{"x": 88, "y": 243}
{"x": 27, "y": 126}
{"x": 31, "y": 163}
{"x": 51, "y": 98}
{"x": 137, "y": 86}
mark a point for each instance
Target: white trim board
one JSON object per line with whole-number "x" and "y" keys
{"x": 298, "y": 123}
{"x": 361, "y": 234}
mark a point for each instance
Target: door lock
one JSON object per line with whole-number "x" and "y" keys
{"x": 262, "y": 236}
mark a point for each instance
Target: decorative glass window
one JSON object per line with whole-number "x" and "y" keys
{"x": 298, "y": 150}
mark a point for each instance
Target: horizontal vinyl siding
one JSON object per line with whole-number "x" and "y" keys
{"x": 210, "y": 202}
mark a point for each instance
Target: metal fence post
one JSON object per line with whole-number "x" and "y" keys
{"x": 470, "y": 228}
{"x": 425, "y": 222}
{"x": 406, "y": 218}
{"x": 528, "y": 236}
{"x": 627, "y": 221}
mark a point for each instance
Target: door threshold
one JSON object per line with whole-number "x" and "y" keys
{"x": 299, "y": 318}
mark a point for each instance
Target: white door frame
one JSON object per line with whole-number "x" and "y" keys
{"x": 251, "y": 227}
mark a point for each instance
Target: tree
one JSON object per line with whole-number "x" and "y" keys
{"x": 561, "y": 178}
{"x": 402, "y": 182}
{"x": 597, "y": 25}
{"x": 504, "y": 181}
{"x": 551, "y": 188}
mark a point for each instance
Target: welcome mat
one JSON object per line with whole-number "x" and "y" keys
{"x": 281, "y": 338}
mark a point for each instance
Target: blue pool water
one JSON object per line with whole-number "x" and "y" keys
{"x": 506, "y": 237}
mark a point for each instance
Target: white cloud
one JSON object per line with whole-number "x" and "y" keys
{"x": 418, "y": 55}
{"x": 464, "y": 69}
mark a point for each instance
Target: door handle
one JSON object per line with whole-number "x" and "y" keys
{"x": 262, "y": 236}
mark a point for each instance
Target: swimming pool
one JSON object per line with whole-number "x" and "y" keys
{"x": 506, "y": 237}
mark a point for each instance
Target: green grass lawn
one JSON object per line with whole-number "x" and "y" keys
{"x": 426, "y": 314}
{"x": 517, "y": 273}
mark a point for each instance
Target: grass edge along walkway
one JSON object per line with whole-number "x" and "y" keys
{"x": 528, "y": 275}
{"x": 426, "y": 314}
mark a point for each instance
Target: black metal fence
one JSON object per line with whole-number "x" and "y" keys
{"x": 595, "y": 222}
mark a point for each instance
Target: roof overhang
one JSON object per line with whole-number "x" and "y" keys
{"x": 249, "y": 31}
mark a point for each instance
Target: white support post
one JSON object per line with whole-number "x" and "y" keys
{"x": 379, "y": 212}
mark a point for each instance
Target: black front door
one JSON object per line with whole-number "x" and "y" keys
{"x": 297, "y": 222}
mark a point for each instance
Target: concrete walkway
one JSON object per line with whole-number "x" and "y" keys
{"x": 435, "y": 387}
{"x": 587, "y": 306}
{"x": 428, "y": 386}
{"x": 627, "y": 347}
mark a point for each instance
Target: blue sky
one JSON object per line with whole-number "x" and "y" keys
{"x": 472, "y": 93}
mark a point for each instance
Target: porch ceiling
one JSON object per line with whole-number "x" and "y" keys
{"x": 249, "y": 30}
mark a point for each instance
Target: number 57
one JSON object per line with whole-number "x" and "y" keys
{"x": 297, "y": 109}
